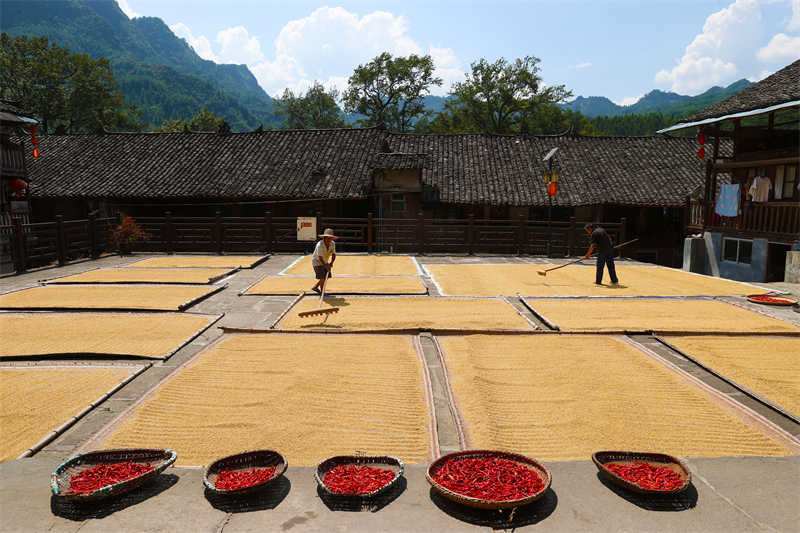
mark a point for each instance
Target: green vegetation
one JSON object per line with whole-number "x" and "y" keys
{"x": 316, "y": 110}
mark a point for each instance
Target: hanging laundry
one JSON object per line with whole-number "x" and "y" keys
{"x": 759, "y": 190}
{"x": 728, "y": 200}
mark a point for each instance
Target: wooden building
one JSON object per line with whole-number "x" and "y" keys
{"x": 751, "y": 243}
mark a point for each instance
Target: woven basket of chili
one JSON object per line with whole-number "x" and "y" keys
{"x": 361, "y": 476}
{"x": 244, "y": 473}
{"x": 651, "y": 473}
{"x": 100, "y": 474}
{"x": 770, "y": 299}
{"x": 489, "y": 479}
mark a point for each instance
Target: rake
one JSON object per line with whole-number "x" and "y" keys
{"x": 544, "y": 272}
{"x": 319, "y": 310}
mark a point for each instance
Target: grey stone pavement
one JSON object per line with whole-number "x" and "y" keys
{"x": 729, "y": 494}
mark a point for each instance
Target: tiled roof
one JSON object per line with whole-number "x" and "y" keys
{"x": 9, "y": 111}
{"x": 504, "y": 169}
{"x": 280, "y": 163}
{"x": 779, "y": 88}
{"x": 470, "y": 168}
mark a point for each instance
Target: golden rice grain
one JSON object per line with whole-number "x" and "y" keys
{"x": 361, "y": 265}
{"x": 198, "y": 261}
{"x": 307, "y": 396}
{"x": 161, "y": 297}
{"x": 561, "y": 398}
{"x": 143, "y": 275}
{"x": 37, "y": 400}
{"x": 340, "y": 285}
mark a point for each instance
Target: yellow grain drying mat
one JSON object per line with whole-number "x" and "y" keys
{"x": 360, "y": 265}
{"x": 407, "y": 312}
{"x": 769, "y": 366}
{"x": 135, "y": 334}
{"x": 38, "y": 399}
{"x": 657, "y": 314}
{"x": 340, "y": 285}
{"x": 148, "y": 275}
{"x": 561, "y": 398}
{"x": 307, "y": 396}
{"x": 576, "y": 280}
{"x": 152, "y": 297}
{"x": 199, "y": 261}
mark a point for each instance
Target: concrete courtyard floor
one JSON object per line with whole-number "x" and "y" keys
{"x": 730, "y": 494}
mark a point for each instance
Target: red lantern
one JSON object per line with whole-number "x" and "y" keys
{"x": 34, "y": 141}
{"x": 701, "y": 140}
{"x": 701, "y": 153}
{"x": 33, "y": 129}
{"x": 36, "y": 153}
{"x": 552, "y": 188}
{"x": 17, "y": 185}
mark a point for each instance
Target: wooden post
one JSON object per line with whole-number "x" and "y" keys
{"x": 573, "y": 238}
{"x": 268, "y": 232}
{"x": 61, "y": 252}
{"x": 369, "y": 233}
{"x": 218, "y": 231}
{"x": 94, "y": 237}
{"x": 521, "y": 246}
{"x": 320, "y": 229}
{"x": 22, "y": 250}
{"x": 168, "y": 232}
{"x": 471, "y": 235}
{"x": 421, "y": 234}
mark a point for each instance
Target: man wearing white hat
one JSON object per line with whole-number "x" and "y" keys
{"x": 323, "y": 257}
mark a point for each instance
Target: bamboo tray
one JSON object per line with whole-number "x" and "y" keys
{"x": 601, "y": 459}
{"x": 782, "y": 300}
{"x": 158, "y": 459}
{"x": 379, "y": 461}
{"x": 537, "y": 467}
{"x": 242, "y": 462}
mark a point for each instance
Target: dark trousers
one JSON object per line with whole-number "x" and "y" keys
{"x": 603, "y": 259}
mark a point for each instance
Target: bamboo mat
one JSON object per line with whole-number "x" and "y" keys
{"x": 38, "y": 399}
{"x": 340, "y": 285}
{"x": 576, "y": 280}
{"x": 659, "y": 314}
{"x": 561, "y": 398}
{"x": 151, "y": 297}
{"x": 307, "y": 396}
{"x": 407, "y": 312}
{"x": 769, "y": 366}
{"x": 186, "y": 276}
{"x": 136, "y": 334}
{"x": 199, "y": 261}
{"x": 360, "y": 265}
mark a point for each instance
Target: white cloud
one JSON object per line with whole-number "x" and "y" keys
{"x": 201, "y": 45}
{"x": 581, "y": 65}
{"x": 330, "y": 41}
{"x": 761, "y": 76}
{"x": 123, "y": 5}
{"x": 238, "y": 47}
{"x": 448, "y": 67}
{"x": 629, "y": 100}
{"x": 794, "y": 21}
{"x": 726, "y": 48}
{"x": 781, "y": 49}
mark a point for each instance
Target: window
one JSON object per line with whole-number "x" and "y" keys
{"x": 736, "y": 251}
{"x": 398, "y": 202}
{"x": 790, "y": 182}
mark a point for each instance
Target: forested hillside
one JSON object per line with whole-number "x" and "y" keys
{"x": 155, "y": 69}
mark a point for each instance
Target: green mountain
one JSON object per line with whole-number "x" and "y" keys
{"x": 156, "y": 70}
{"x": 665, "y": 103}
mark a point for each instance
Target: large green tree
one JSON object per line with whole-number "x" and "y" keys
{"x": 318, "y": 109}
{"x": 391, "y": 91}
{"x": 203, "y": 121}
{"x": 503, "y": 97}
{"x": 66, "y": 89}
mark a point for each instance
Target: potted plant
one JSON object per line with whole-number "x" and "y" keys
{"x": 127, "y": 233}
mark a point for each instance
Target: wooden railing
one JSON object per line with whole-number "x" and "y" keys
{"x": 34, "y": 245}
{"x": 777, "y": 220}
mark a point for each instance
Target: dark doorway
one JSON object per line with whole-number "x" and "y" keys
{"x": 777, "y": 261}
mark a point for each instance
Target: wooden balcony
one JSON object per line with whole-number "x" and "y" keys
{"x": 776, "y": 221}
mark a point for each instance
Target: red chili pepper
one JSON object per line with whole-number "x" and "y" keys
{"x": 648, "y": 476}
{"x": 769, "y": 299}
{"x": 350, "y": 479}
{"x": 227, "y": 480}
{"x": 491, "y": 478}
{"x": 104, "y": 475}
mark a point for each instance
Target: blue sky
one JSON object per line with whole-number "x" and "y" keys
{"x": 617, "y": 49}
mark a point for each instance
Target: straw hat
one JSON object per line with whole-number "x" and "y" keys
{"x": 329, "y": 233}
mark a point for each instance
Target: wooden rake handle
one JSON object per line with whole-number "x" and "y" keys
{"x": 583, "y": 259}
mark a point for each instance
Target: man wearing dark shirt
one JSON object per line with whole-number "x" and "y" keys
{"x": 605, "y": 253}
